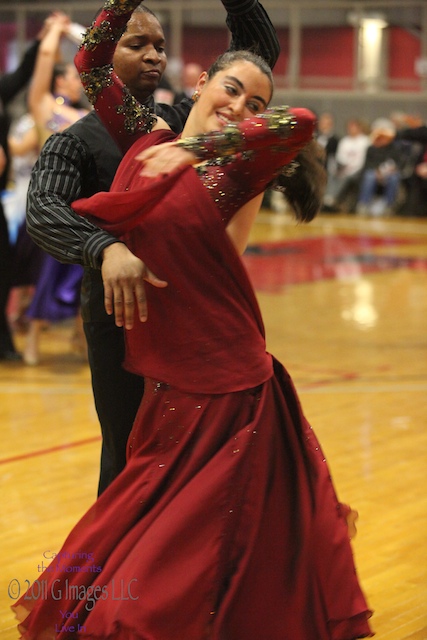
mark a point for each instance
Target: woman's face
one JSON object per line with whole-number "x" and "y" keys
{"x": 237, "y": 92}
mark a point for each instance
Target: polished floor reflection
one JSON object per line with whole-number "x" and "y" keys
{"x": 273, "y": 265}
{"x": 344, "y": 301}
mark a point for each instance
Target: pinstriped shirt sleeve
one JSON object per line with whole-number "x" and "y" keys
{"x": 56, "y": 182}
{"x": 251, "y": 28}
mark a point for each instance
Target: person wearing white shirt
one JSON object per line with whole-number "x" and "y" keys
{"x": 350, "y": 158}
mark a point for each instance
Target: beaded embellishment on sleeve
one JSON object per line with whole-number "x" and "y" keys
{"x": 96, "y": 80}
{"x": 108, "y": 28}
{"x": 279, "y": 119}
{"x": 216, "y": 144}
{"x": 232, "y": 138}
{"x": 95, "y": 34}
{"x": 138, "y": 117}
{"x": 120, "y": 7}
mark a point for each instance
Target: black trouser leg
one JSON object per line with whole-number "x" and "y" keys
{"x": 117, "y": 395}
{"x": 6, "y": 342}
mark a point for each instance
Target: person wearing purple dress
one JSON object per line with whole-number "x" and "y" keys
{"x": 54, "y": 92}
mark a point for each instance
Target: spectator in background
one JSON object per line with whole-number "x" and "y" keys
{"x": 54, "y": 93}
{"x": 165, "y": 92}
{"x": 417, "y": 196}
{"x": 328, "y": 140}
{"x": 23, "y": 149}
{"x": 10, "y": 85}
{"x": 27, "y": 257}
{"x": 190, "y": 75}
{"x": 343, "y": 185}
{"x": 416, "y": 182}
{"x": 381, "y": 175}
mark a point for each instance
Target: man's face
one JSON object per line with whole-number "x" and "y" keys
{"x": 140, "y": 58}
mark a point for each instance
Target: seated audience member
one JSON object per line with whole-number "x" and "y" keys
{"x": 381, "y": 175}
{"x": 328, "y": 139}
{"x": 414, "y": 136}
{"x": 416, "y": 204}
{"x": 343, "y": 185}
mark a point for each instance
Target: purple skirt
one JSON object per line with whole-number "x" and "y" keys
{"x": 57, "y": 295}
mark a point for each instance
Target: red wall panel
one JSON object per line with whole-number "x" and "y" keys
{"x": 327, "y": 51}
{"x": 404, "y": 49}
{"x": 282, "y": 63}
{"x": 204, "y": 44}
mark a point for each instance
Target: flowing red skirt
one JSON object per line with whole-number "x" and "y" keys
{"x": 223, "y": 526}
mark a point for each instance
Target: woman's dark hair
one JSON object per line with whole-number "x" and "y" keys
{"x": 304, "y": 187}
{"x": 228, "y": 58}
{"x": 59, "y": 70}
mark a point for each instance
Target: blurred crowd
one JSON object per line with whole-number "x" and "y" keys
{"x": 377, "y": 168}
{"x": 45, "y": 291}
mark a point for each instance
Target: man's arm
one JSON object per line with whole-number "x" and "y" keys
{"x": 12, "y": 83}
{"x": 251, "y": 28}
{"x": 56, "y": 181}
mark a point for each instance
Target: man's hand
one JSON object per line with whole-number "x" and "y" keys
{"x": 123, "y": 275}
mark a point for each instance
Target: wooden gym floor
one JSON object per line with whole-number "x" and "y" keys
{"x": 344, "y": 301}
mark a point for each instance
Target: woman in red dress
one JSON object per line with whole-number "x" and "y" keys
{"x": 224, "y": 525}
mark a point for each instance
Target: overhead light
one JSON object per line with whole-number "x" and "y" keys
{"x": 373, "y": 23}
{"x": 368, "y": 20}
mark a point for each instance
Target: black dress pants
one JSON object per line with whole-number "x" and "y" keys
{"x": 6, "y": 341}
{"x": 117, "y": 395}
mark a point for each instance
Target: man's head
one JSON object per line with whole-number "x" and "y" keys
{"x": 326, "y": 123}
{"x": 354, "y": 127}
{"x": 190, "y": 74}
{"x": 140, "y": 57}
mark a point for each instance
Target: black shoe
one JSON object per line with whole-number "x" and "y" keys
{"x": 10, "y": 356}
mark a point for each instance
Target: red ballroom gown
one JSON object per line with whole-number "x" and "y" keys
{"x": 224, "y": 525}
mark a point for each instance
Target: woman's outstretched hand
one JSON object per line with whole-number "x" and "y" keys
{"x": 163, "y": 159}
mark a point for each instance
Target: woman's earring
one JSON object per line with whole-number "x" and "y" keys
{"x": 195, "y": 96}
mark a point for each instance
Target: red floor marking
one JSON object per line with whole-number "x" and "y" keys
{"x": 272, "y": 265}
{"x": 42, "y": 452}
